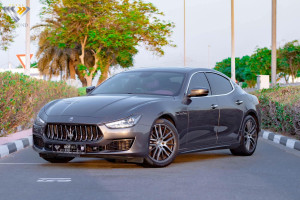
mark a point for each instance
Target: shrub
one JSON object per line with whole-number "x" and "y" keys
{"x": 82, "y": 91}
{"x": 21, "y": 97}
{"x": 280, "y": 108}
{"x": 244, "y": 85}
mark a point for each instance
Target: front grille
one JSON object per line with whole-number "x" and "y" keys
{"x": 74, "y": 133}
{"x": 38, "y": 142}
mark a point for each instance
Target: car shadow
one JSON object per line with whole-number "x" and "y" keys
{"x": 95, "y": 163}
{"x": 200, "y": 157}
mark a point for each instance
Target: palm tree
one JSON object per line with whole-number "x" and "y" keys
{"x": 53, "y": 60}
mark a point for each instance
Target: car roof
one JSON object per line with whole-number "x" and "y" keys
{"x": 172, "y": 69}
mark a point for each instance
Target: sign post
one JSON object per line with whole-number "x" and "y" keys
{"x": 28, "y": 56}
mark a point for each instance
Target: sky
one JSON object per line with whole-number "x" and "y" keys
{"x": 207, "y": 24}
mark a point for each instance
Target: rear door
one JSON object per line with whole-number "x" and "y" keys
{"x": 231, "y": 108}
{"x": 203, "y": 115}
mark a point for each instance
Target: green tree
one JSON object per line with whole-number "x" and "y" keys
{"x": 260, "y": 61}
{"x": 290, "y": 56}
{"x": 7, "y": 27}
{"x": 109, "y": 29}
{"x": 243, "y": 72}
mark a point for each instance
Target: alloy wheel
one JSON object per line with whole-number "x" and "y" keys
{"x": 162, "y": 143}
{"x": 250, "y": 135}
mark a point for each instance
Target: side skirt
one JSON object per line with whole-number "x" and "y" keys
{"x": 183, "y": 151}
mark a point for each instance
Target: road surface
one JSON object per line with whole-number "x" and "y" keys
{"x": 273, "y": 172}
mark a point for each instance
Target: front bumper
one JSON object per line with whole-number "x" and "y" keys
{"x": 115, "y": 143}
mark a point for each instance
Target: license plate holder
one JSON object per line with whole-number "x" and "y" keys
{"x": 68, "y": 148}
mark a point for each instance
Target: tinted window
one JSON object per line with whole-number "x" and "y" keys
{"x": 158, "y": 83}
{"x": 218, "y": 84}
{"x": 198, "y": 81}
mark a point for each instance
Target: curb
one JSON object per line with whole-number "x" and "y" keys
{"x": 280, "y": 139}
{"x": 17, "y": 145}
{"x": 14, "y": 146}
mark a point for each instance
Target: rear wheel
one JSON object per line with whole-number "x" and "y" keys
{"x": 163, "y": 144}
{"x": 248, "y": 138}
{"x": 57, "y": 159}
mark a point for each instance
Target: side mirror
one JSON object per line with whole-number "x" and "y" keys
{"x": 89, "y": 89}
{"x": 198, "y": 92}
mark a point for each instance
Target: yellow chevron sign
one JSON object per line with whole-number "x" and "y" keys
{"x": 16, "y": 15}
{"x": 21, "y": 10}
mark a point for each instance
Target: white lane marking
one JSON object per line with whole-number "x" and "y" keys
{"x": 52, "y": 180}
{"x": 277, "y": 139}
{"x": 4, "y": 151}
{"x": 21, "y": 163}
{"x": 266, "y": 134}
{"x": 19, "y": 144}
{"x": 290, "y": 143}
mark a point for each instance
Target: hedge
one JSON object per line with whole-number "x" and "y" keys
{"x": 21, "y": 97}
{"x": 280, "y": 108}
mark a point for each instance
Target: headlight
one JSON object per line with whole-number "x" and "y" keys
{"x": 38, "y": 121}
{"x": 124, "y": 123}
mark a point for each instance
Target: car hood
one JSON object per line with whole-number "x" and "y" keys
{"x": 104, "y": 107}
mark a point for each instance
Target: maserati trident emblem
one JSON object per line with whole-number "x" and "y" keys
{"x": 70, "y": 134}
{"x": 71, "y": 119}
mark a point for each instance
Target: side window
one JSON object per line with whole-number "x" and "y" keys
{"x": 199, "y": 80}
{"x": 219, "y": 84}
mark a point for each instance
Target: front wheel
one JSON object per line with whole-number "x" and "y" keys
{"x": 248, "y": 138}
{"x": 163, "y": 144}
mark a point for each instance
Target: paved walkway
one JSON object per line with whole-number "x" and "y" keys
{"x": 15, "y": 136}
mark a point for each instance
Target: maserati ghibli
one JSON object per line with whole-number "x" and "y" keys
{"x": 148, "y": 116}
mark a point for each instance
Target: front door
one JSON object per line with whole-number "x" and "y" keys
{"x": 203, "y": 115}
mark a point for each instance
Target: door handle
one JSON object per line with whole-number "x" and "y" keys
{"x": 239, "y": 102}
{"x": 214, "y": 106}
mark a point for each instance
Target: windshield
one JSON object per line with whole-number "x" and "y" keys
{"x": 157, "y": 83}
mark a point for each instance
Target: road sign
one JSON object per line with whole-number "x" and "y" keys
{"x": 22, "y": 59}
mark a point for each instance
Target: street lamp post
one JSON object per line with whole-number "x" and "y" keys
{"x": 184, "y": 35}
{"x": 232, "y": 43}
{"x": 208, "y": 55}
{"x": 274, "y": 54}
{"x": 27, "y": 64}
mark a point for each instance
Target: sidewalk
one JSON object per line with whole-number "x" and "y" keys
{"x": 15, "y": 142}
{"x": 15, "y": 136}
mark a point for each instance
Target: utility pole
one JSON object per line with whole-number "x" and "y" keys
{"x": 274, "y": 48}
{"x": 232, "y": 43}
{"x": 184, "y": 33}
{"x": 208, "y": 55}
{"x": 27, "y": 68}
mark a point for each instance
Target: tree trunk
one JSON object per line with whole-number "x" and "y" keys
{"x": 286, "y": 78}
{"x": 89, "y": 80}
{"x": 104, "y": 74}
{"x": 81, "y": 78}
{"x": 292, "y": 71}
{"x": 72, "y": 69}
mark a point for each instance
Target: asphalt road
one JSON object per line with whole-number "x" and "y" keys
{"x": 273, "y": 172}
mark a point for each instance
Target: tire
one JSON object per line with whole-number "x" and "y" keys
{"x": 163, "y": 144}
{"x": 57, "y": 159}
{"x": 249, "y": 136}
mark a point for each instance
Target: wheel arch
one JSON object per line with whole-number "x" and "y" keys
{"x": 254, "y": 114}
{"x": 168, "y": 117}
